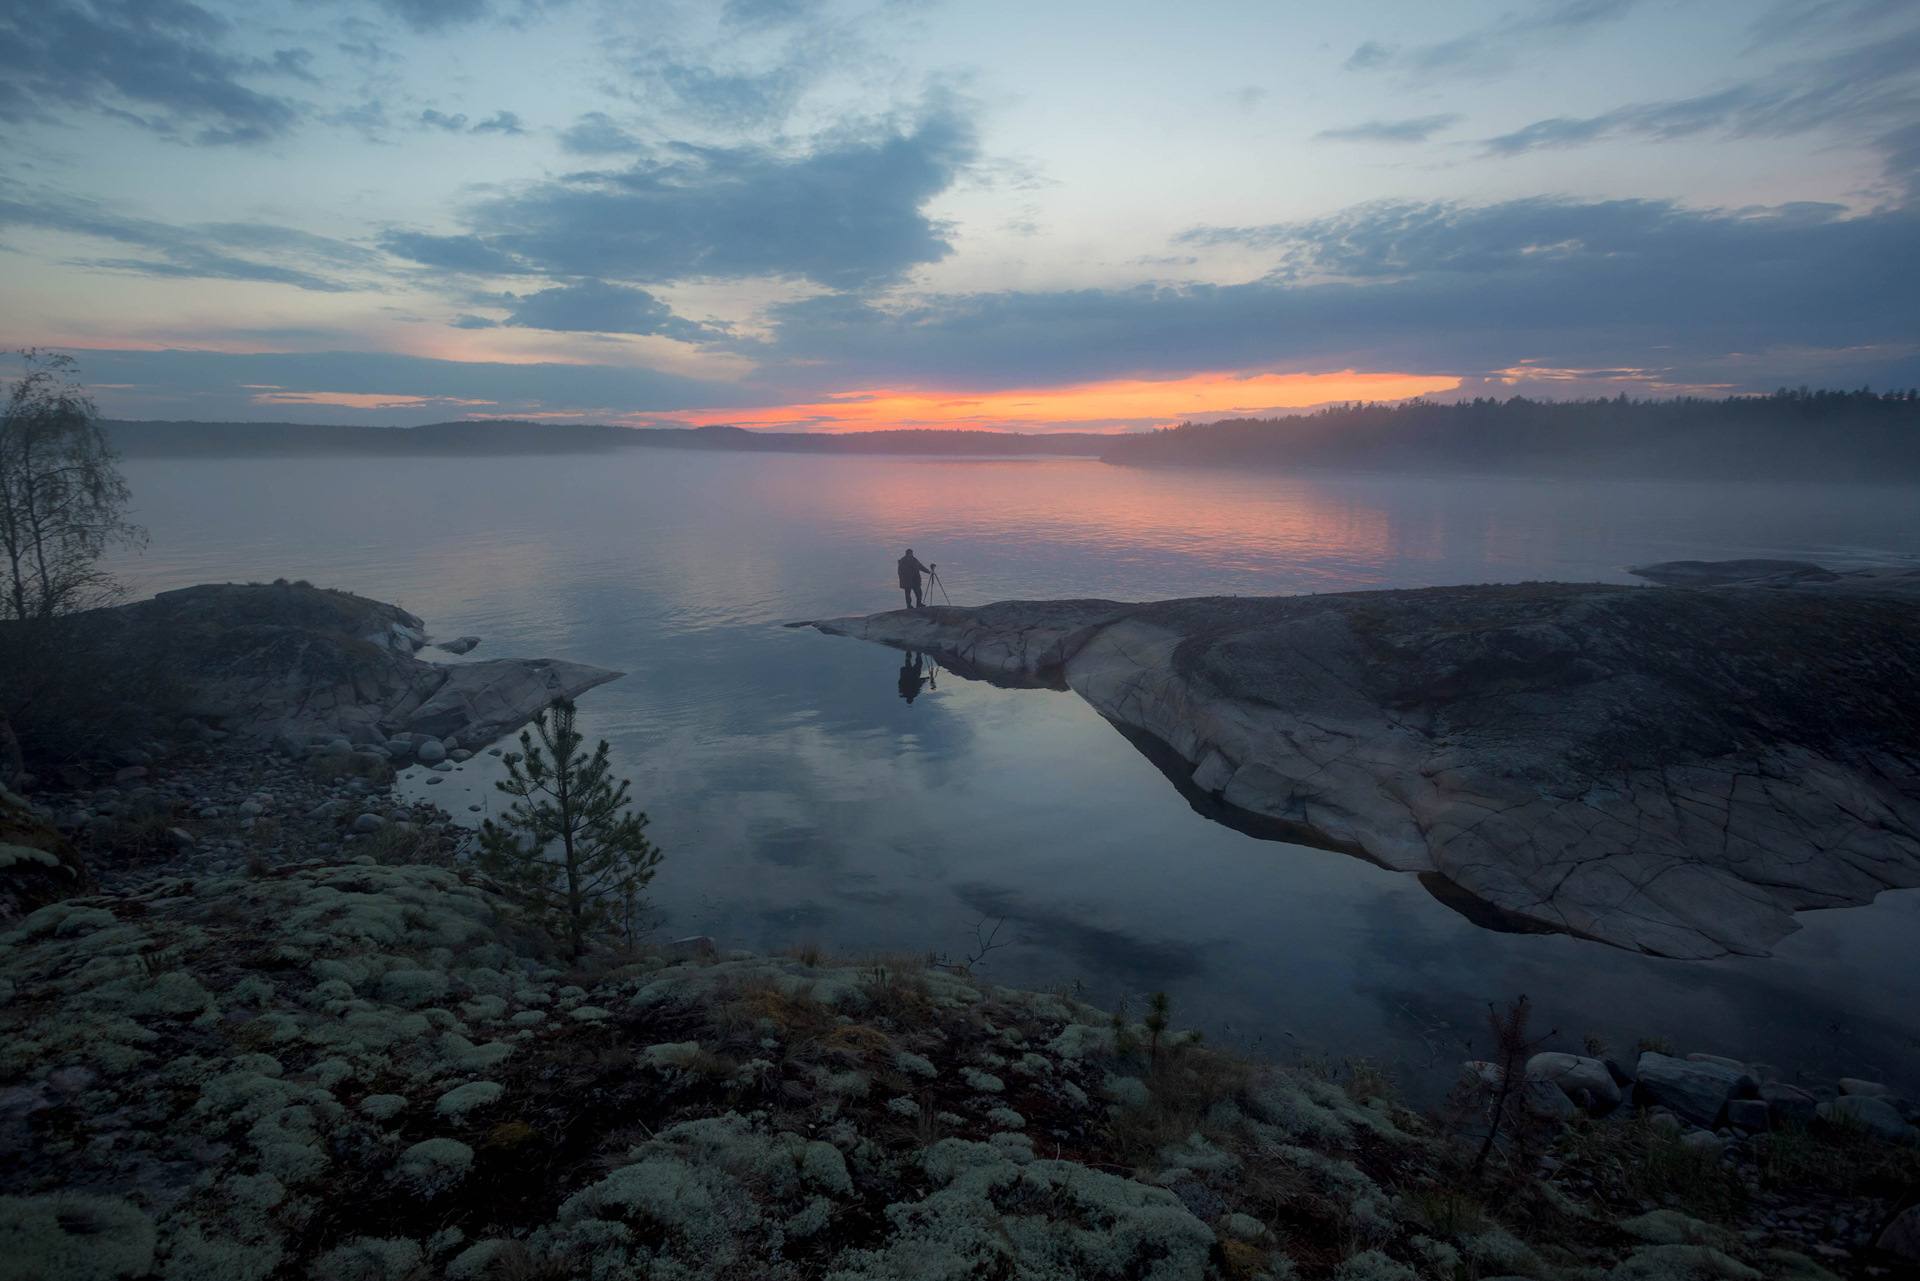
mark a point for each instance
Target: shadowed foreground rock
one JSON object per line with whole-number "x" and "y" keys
{"x": 264, "y": 661}
{"x": 1675, "y": 770}
{"x": 365, "y": 1072}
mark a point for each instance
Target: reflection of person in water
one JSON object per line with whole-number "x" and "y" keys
{"x": 910, "y": 677}
{"x": 910, "y": 570}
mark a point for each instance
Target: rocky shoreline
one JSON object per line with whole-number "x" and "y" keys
{"x": 1675, "y": 770}
{"x": 261, "y": 1021}
{"x": 358, "y": 1067}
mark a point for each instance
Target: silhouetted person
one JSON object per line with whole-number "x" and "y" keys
{"x": 910, "y": 570}
{"x": 910, "y": 678}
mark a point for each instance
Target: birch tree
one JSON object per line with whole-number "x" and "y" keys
{"x": 62, "y": 499}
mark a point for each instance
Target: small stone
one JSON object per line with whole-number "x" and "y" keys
{"x": 1865, "y": 1089}
{"x": 493, "y": 751}
{"x": 436, "y": 778}
{"x": 181, "y": 836}
{"x": 1704, "y": 1144}
{"x": 130, "y": 773}
{"x": 1750, "y": 1115}
{"x": 368, "y": 823}
{"x": 252, "y": 809}
{"x": 442, "y": 767}
{"x": 460, "y": 754}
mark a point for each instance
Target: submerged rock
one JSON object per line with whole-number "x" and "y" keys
{"x": 1675, "y": 771}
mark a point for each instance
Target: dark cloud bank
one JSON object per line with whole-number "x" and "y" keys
{"x": 1759, "y": 297}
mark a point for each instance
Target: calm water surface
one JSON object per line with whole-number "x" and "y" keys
{"x": 801, "y": 799}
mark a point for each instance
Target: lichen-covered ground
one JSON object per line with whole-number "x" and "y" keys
{"x": 357, "y": 1072}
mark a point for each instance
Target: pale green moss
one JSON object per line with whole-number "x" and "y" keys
{"x": 671, "y": 1055}
{"x": 1101, "y": 1228}
{"x": 465, "y": 1098}
{"x": 1682, "y": 1263}
{"x": 1079, "y": 1041}
{"x": 434, "y": 1165}
{"x": 65, "y": 1236}
{"x": 383, "y": 1107}
{"x": 369, "y": 1259}
{"x": 1372, "y": 1265}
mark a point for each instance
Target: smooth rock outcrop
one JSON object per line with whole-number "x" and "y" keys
{"x": 276, "y": 662}
{"x": 1673, "y": 770}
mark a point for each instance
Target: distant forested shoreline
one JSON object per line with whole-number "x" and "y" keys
{"x": 505, "y": 436}
{"x": 1790, "y": 435}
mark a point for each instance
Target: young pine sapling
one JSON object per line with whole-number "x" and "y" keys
{"x": 568, "y": 846}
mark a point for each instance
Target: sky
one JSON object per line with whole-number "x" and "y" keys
{"x": 849, "y": 214}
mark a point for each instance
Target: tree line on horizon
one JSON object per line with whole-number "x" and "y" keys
{"x": 1790, "y": 434}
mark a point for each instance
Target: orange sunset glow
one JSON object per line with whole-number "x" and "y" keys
{"x": 1094, "y": 405}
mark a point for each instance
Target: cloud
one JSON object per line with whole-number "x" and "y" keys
{"x": 1868, "y": 93}
{"x": 466, "y": 254}
{"x": 436, "y": 15}
{"x": 595, "y": 134}
{"x": 767, "y": 13}
{"x": 595, "y": 306}
{"x": 216, "y": 386}
{"x": 499, "y": 122}
{"x": 845, "y": 215}
{"x": 157, "y": 63}
{"x": 1435, "y": 288}
{"x": 1417, "y": 130}
{"x": 212, "y": 251}
{"x": 1489, "y": 50}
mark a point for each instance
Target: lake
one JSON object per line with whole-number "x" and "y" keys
{"x": 800, "y": 799}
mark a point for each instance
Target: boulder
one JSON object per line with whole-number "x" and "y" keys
{"x": 1788, "y": 1104}
{"x": 1901, "y": 1237}
{"x": 1720, "y": 1060}
{"x": 368, "y": 823}
{"x": 460, "y": 645}
{"x": 429, "y": 751}
{"x": 1874, "y": 1116}
{"x": 1697, "y": 1091}
{"x": 1573, "y": 1074}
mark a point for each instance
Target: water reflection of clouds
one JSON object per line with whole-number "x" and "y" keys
{"x": 800, "y": 799}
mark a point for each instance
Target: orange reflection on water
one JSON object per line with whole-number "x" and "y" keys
{"x": 1256, "y": 532}
{"x": 1091, "y": 405}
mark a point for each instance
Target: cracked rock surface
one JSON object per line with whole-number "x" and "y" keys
{"x": 1675, "y": 771}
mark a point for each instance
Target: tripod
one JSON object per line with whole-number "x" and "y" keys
{"x": 934, "y": 574}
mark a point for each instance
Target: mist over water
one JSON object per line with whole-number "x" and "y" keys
{"x": 799, "y": 798}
